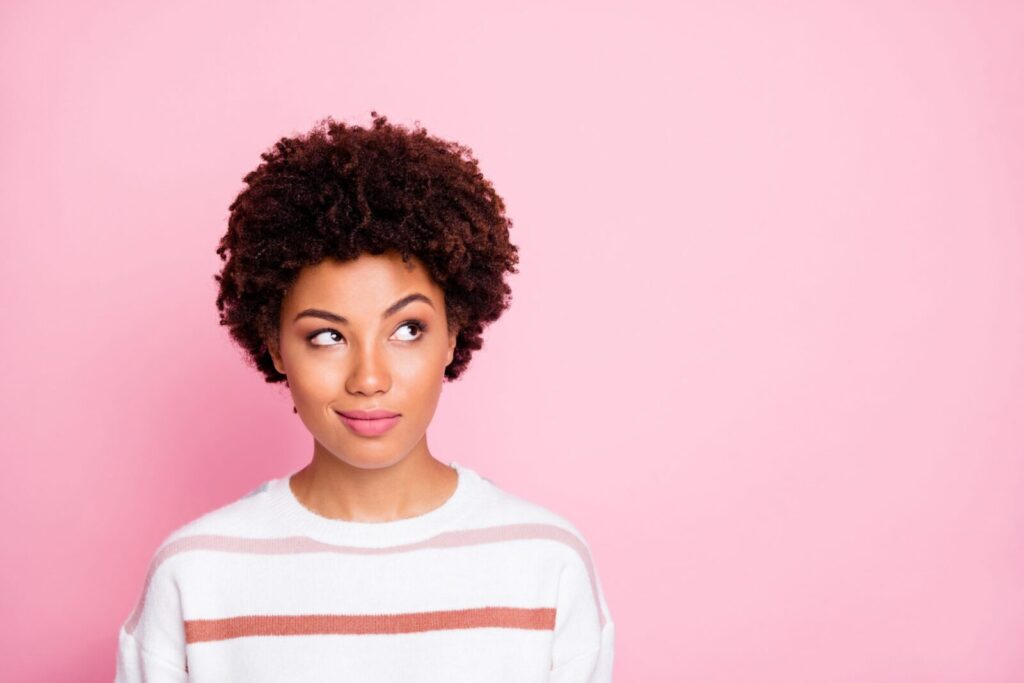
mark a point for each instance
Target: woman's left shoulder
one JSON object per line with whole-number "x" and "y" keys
{"x": 523, "y": 517}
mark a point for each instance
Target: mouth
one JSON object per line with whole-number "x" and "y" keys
{"x": 369, "y": 426}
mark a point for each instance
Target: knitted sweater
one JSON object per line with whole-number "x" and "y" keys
{"x": 486, "y": 587}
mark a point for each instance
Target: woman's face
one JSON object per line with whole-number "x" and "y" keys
{"x": 364, "y": 335}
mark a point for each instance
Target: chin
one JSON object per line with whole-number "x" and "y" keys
{"x": 364, "y": 460}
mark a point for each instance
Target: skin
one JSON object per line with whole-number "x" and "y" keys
{"x": 366, "y": 363}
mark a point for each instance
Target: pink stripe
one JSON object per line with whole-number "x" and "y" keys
{"x": 202, "y": 630}
{"x": 303, "y": 544}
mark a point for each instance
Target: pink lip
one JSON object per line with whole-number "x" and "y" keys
{"x": 369, "y": 426}
{"x": 367, "y": 414}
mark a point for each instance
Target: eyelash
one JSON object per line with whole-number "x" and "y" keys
{"x": 416, "y": 323}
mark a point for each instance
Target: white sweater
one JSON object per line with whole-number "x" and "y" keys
{"x": 488, "y": 587}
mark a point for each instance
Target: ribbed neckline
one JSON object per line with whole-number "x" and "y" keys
{"x": 288, "y": 508}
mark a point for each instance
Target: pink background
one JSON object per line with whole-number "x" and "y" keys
{"x": 765, "y": 348}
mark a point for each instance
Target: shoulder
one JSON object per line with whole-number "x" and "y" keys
{"x": 504, "y": 506}
{"x": 519, "y": 516}
{"x": 244, "y": 517}
{"x": 580, "y": 586}
{"x": 158, "y": 601}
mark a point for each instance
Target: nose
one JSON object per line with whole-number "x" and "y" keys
{"x": 369, "y": 372}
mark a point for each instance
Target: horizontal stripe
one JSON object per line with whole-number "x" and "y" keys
{"x": 303, "y": 544}
{"x": 200, "y": 630}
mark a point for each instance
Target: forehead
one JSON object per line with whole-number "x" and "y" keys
{"x": 369, "y": 281}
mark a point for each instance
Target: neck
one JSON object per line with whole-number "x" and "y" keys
{"x": 336, "y": 489}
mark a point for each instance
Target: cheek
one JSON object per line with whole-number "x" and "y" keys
{"x": 412, "y": 374}
{"x": 425, "y": 366}
{"x": 417, "y": 381}
{"x": 313, "y": 379}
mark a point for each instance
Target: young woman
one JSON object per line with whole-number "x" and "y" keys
{"x": 361, "y": 266}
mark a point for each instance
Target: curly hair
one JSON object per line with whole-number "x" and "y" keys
{"x": 341, "y": 190}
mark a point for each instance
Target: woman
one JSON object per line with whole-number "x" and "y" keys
{"x": 361, "y": 266}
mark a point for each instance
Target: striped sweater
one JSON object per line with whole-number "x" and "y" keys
{"x": 486, "y": 587}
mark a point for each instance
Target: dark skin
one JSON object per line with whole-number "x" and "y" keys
{"x": 362, "y": 364}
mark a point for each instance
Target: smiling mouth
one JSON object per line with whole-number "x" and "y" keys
{"x": 369, "y": 426}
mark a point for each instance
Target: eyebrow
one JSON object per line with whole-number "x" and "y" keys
{"x": 389, "y": 311}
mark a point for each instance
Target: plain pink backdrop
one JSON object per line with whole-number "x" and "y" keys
{"x": 765, "y": 347}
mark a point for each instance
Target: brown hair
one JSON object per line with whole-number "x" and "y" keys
{"x": 340, "y": 191}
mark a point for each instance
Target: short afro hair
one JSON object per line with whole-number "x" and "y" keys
{"x": 341, "y": 190}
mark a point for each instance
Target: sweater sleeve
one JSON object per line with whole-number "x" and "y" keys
{"x": 151, "y": 641}
{"x": 584, "y": 639}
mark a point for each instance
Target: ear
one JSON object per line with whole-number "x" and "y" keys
{"x": 275, "y": 355}
{"x": 453, "y": 337}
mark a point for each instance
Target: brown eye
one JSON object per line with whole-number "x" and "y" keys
{"x": 419, "y": 327}
{"x": 319, "y": 333}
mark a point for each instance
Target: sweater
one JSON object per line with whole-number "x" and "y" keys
{"x": 486, "y": 587}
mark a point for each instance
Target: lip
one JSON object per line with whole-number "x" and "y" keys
{"x": 369, "y": 422}
{"x": 367, "y": 414}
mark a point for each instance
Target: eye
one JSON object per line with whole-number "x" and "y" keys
{"x": 318, "y": 333}
{"x": 327, "y": 333}
{"x": 419, "y": 327}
